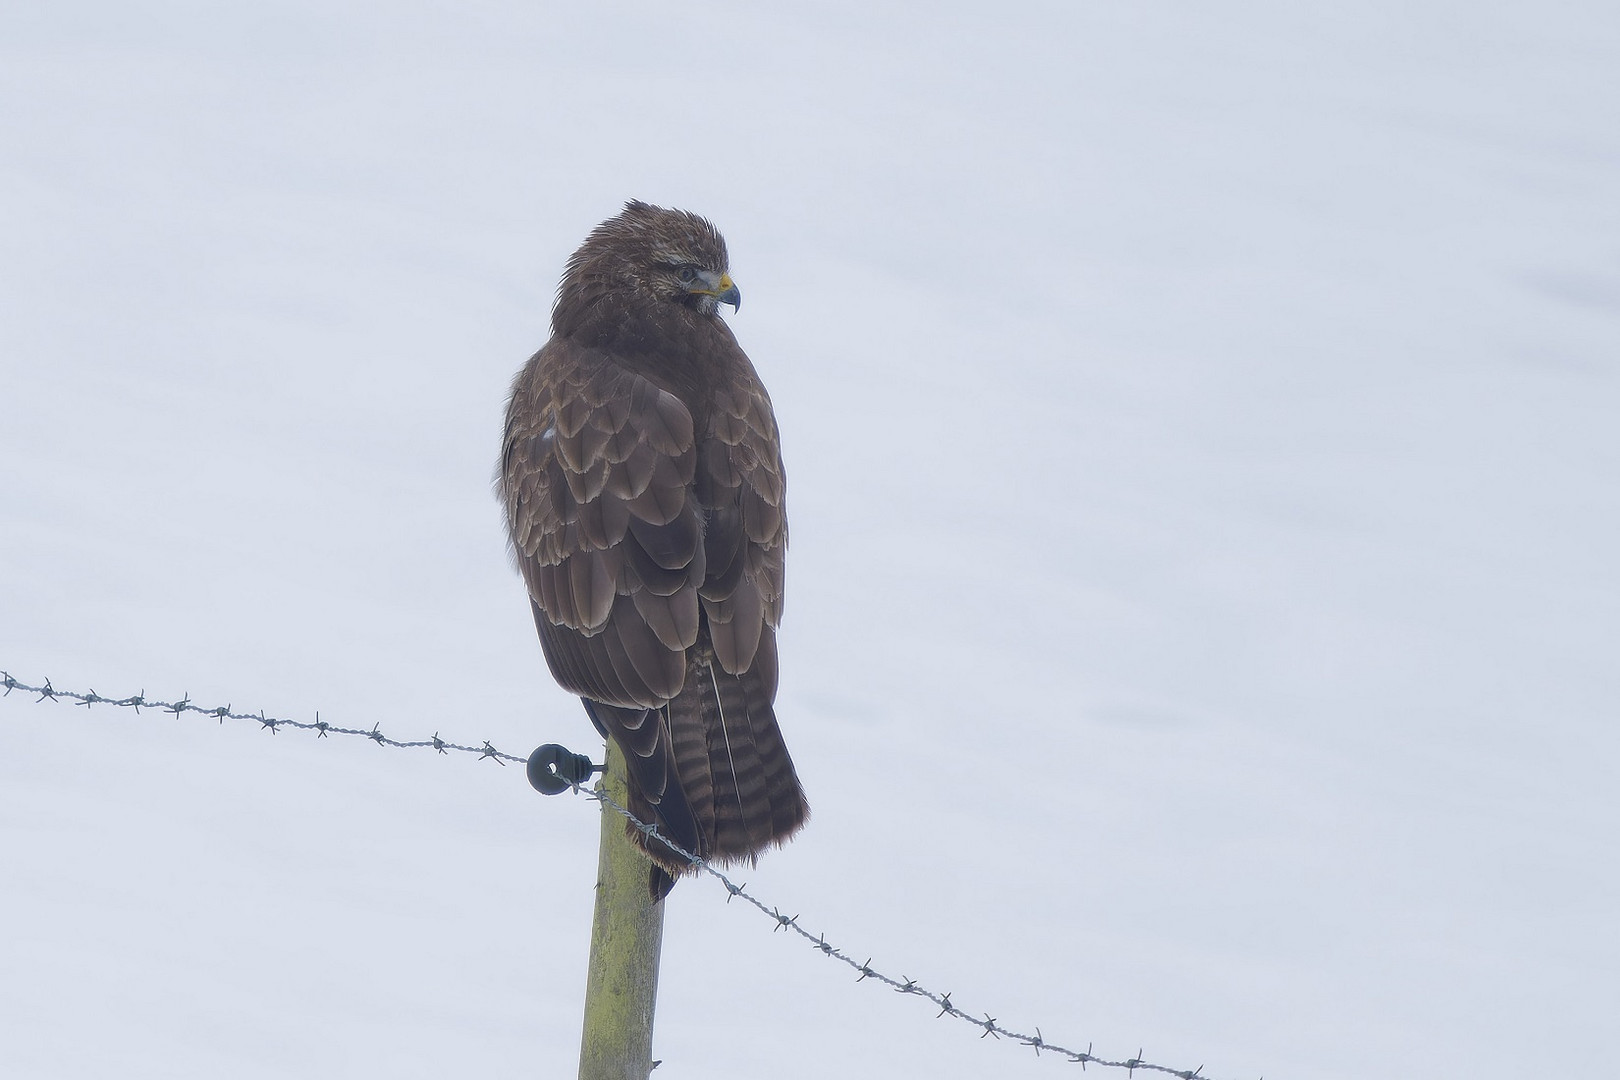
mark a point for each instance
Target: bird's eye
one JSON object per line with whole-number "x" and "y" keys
{"x": 686, "y": 274}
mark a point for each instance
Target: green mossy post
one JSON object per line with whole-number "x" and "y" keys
{"x": 627, "y": 932}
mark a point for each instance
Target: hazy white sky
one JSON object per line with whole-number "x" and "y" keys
{"x": 1201, "y": 612}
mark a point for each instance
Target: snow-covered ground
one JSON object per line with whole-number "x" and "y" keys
{"x": 1203, "y": 424}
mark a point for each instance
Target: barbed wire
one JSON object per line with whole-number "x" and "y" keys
{"x": 989, "y": 1026}
{"x": 224, "y": 712}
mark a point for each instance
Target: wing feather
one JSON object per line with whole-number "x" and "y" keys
{"x": 596, "y": 473}
{"x": 740, "y": 484}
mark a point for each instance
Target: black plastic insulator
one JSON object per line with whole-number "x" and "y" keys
{"x": 554, "y": 769}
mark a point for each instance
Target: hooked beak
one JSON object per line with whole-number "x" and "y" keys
{"x": 721, "y": 287}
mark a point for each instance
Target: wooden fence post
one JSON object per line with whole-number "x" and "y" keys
{"x": 627, "y": 932}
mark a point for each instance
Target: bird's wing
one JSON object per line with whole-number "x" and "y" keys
{"x": 596, "y": 473}
{"x": 740, "y": 483}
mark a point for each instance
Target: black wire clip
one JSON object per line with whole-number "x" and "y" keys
{"x": 554, "y": 769}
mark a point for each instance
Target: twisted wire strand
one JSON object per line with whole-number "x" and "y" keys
{"x": 224, "y": 712}
{"x": 988, "y": 1025}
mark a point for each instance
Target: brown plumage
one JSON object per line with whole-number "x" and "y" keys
{"x": 645, "y": 501}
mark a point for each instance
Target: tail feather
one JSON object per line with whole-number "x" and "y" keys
{"x": 710, "y": 768}
{"x": 741, "y": 805}
{"x": 689, "y": 749}
{"x": 655, "y": 785}
{"x": 787, "y": 806}
{"x": 757, "y": 800}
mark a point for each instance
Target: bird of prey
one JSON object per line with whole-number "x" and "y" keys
{"x": 644, "y": 497}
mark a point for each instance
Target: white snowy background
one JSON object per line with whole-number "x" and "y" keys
{"x": 1203, "y": 430}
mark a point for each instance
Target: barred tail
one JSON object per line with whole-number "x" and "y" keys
{"x": 732, "y": 761}
{"x": 710, "y": 768}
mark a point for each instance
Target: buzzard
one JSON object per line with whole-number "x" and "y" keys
{"x": 644, "y": 490}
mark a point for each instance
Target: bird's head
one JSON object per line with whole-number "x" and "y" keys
{"x": 669, "y": 256}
